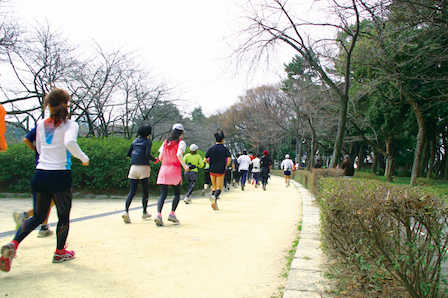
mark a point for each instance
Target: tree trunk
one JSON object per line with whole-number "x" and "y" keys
{"x": 340, "y": 133}
{"x": 361, "y": 157}
{"x": 425, "y": 158}
{"x": 420, "y": 142}
{"x": 375, "y": 162}
{"x": 432, "y": 157}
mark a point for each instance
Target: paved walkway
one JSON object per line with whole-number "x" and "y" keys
{"x": 237, "y": 251}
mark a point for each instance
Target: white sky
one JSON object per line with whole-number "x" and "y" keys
{"x": 181, "y": 42}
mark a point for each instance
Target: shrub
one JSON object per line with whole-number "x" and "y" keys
{"x": 381, "y": 231}
{"x": 108, "y": 168}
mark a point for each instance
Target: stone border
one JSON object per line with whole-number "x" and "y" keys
{"x": 305, "y": 277}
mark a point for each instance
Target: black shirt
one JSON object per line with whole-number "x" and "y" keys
{"x": 217, "y": 154}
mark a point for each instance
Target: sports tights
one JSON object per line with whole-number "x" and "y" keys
{"x": 164, "y": 194}
{"x": 133, "y": 190}
{"x": 41, "y": 202}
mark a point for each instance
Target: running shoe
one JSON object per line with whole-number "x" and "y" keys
{"x": 158, "y": 220}
{"x": 19, "y": 218}
{"x": 253, "y": 182}
{"x": 7, "y": 254}
{"x": 66, "y": 255}
{"x": 203, "y": 192}
{"x": 126, "y": 217}
{"x": 187, "y": 200}
{"x": 213, "y": 201}
{"x": 145, "y": 216}
{"x": 242, "y": 187}
{"x": 173, "y": 218}
{"x": 44, "y": 233}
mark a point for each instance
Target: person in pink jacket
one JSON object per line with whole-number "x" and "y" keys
{"x": 170, "y": 173}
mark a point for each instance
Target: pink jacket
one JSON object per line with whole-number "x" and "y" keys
{"x": 170, "y": 172}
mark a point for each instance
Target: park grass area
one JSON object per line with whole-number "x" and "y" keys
{"x": 437, "y": 188}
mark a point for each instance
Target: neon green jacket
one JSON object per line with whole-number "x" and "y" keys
{"x": 194, "y": 159}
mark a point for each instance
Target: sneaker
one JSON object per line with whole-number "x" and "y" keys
{"x": 66, "y": 255}
{"x": 44, "y": 233}
{"x": 126, "y": 217}
{"x": 19, "y": 218}
{"x": 158, "y": 220}
{"x": 213, "y": 201}
{"x": 253, "y": 182}
{"x": 203, "y": 192}
{"x": 187, "y": 200}
{"x": 173, "y": 218}
{"x": 242, "y": 187}
{"x": 144, "y": 216}
{"x": 7, "y": 254}
{"x": 256, "y": 186}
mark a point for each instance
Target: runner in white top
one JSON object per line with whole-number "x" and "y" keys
{"x": 287, "y": 165}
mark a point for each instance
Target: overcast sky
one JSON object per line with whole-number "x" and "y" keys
{"x": 182, "y": 42}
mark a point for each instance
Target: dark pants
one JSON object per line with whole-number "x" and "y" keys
{"x": 243, "y": 177}
{"x": 191, "y": 177}
{"x": 48, "y": 185}
{"x": 164, "y": 194}
{"x": 133, "y": 190}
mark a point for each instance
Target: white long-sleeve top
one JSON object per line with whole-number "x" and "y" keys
{"x": 56, "y": 145}
{"x": 287, "y": 165}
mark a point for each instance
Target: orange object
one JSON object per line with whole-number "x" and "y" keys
{"x": 3, "y": 144}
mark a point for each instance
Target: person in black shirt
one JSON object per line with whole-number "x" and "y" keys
{"x": 347, "y": 167}
{"x": 218, "y": 156}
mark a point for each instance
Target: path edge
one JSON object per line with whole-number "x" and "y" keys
{"x": 305, "y": 276}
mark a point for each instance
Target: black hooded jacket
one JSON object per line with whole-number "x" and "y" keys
{"x": 140, "y": 151}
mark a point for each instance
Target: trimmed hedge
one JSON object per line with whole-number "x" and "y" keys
{"x": 107, "y": 171}
{"x": 378, "y": 232}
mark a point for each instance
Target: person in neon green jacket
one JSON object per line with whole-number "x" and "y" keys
{"x": 194, "y": 161}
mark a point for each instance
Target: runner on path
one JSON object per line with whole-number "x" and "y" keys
{"x": 287, "y": 165}
{"x": 140, "y": 154}
{"x": 218, "y": 156}
{"x": 256, "y": 170}
{"x": 265, "y": 164}
{"x": 195, "y": 162}
{"x": 55, "y": 141}
{"x": 244, "y": 163}
{"x": 170, "y": 173}
{"x": 20, "y": 217}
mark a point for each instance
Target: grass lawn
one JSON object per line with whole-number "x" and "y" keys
{"x": 437, "y": 187}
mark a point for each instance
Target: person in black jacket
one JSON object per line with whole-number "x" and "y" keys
{"x": 265, "y": 163}
{"x": 140, "y": 154}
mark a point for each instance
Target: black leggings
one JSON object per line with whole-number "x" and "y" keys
{"x": 164, "y": 194}
{"x": 133, "y": 190}
{"x": 41, "y": 202}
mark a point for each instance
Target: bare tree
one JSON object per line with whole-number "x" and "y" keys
{"x": 272, "y": 22}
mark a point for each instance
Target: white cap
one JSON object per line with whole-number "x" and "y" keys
{"x": 193, "y": 147}
{"x": 287, "y": 156}
{"x": 178, "y": 126}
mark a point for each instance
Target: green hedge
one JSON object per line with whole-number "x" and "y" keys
{"x": 106, "y": 173}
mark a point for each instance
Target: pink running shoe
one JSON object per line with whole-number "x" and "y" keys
{"x": 66, "y": 255}
{"x": 8, "y": 253}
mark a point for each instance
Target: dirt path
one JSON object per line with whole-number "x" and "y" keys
{"x": 237, "y": 251}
